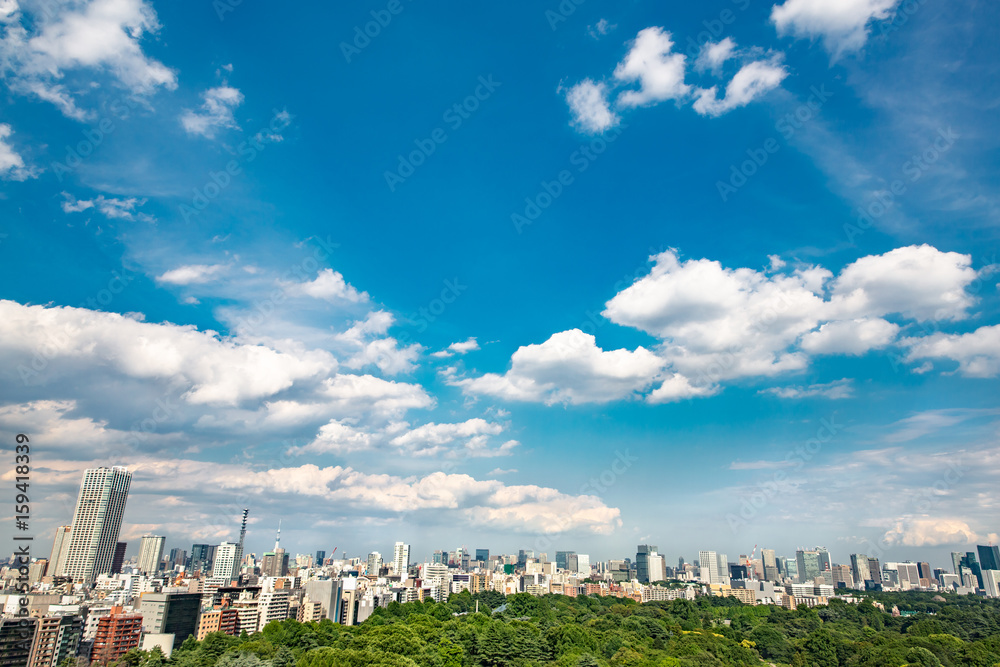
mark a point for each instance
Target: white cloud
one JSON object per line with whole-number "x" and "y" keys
{"x": 99, "y": 35}
{"x": 110, "y": 207}
{"x": 977, "y": 353}
{"x": 588, "y": 102}
{"x": 659, "y": 71}
{"x": 191, "y": 274}
{"x": 716, "y": 324}
{"x": 218, "y": 370}
{"x": 216, "y": 112}
{"x": 752, "y": 81}
{"x": 919, "y": 282}
{"x": 601, "y": 28}
{"x": 568, "y": 368}
{"x": 372, "y": 347}
{"x": 838, "y": 389}
{"x": 337, "y": 437}
{"x": 459, "y": 348}
{"x": 329, "y": 285}
{"x": 842, "y": 24}
{"x": 714, "y": 54}
{"x": 924, "y": 531}
{"x": 430, "y": 438}
{"x": 853, "y": 337}
{"x": 11, "y": 163}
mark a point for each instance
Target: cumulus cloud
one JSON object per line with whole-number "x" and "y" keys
{"x": 329, "y": 285}
{"x": 39, "y": 51}
{"x": 714, "y": 54}
{"x": 841, "y": 24}
{"x": 843, "y": 388}
{"x": 588, "y": 103}
{"x": 930, "y": 532}
{"x": 659, "y": 71}
{"x": 568, "y": 368}
{"x": 717, "y": 324}
{"x": 12, "y": 165}
{"x": 369, "y": 345}
{"x": 853, "y": 337}
{"x": 216, "y": 112}
{"x": 752, "y": 81}
{"x": 977, "y": 353}
{"x": 219, "y": 371}
{"x": 652, "y": 63}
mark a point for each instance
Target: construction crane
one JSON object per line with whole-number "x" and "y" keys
{"x": 749, "y": 563}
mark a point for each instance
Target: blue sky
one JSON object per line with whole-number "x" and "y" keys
{"x": 737, "y": 258}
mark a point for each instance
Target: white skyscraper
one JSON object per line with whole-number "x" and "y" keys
{"x": 96, "y": 524}
{"x": 583, "y": 565}
{"x": 374, "y": 563}
{"x": 708, "y": 562}
{"x": 60, "y": 545}
{"x": 400, "y": 558}
{"x": 150, "y": 553}
{"x": 225, "y": 564}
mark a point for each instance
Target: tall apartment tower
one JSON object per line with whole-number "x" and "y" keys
{"x": 400, "y": 558}
{"x": 59, "y": 547}
{"x": 151, "y": 553}
{"x": 96, "y": 524}
{"x": 642, "y": 555}
{"x": 119, "y": 559}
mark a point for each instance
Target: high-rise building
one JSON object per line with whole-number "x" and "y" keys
{"x": 807, "y": 562}
{"x": 96, "y": 524}
{"x": 374, "y": 563}
{"x": 56, "y": 639}
{"x": 709, "y": 568}
{"x": 969, "y": 561}
{"x": 119, "y": 559}
{"x": 225, "y": 564}
{"x": 483, "y": 555}
{"x": 177, "y": 557}
{"x": 823, "y": 556}
{"x": 770, "y": 563}
{"x": 956, "y": 562}
{"x": 201, "y": 558}
{"x": 320, "y": 558}
{"x": 657, "y": 569}
{"x": 642, "y": 554}
{"x": 400, "y": 558}
{"x": 859, "y": 569}
{"x": 561, "y": 557}
{"x": 989, "y": 557}
{"x": 583, "y": 565}
{"x": 59, "y": 546}
{"x": 151, "y": 553}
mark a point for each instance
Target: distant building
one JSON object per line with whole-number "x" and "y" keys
{"x": 119, "y": 558}
{"x": 989, "y": 557}
{"x": 225, "y": 564}
{"x": 642, "y": 556}
{"x": 59, "y": 547}
{"x": 170, "y": 613}
{"x": 400, "y": 558}
{"x": 97, "y": 522}
{"x": 320, "y": 558}
{"x": 151, "y": 553}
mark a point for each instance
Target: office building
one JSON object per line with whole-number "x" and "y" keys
{"x": 807, "y": 563}
{"x": 859, "y": 569}
{"x": 770, "y": 563}
{"x": 201, "y": 558}
{"x": 178, "y": 557}
{"x": 170, "y": 613}
{"x": 96, "y": 524}
{"x": 989, "y": 557}
{"x": 320, "y": 558}
{"x": 642, "y": 555}
{"x": 59, "y": 547}
{"x": 709, "y": 568}
{"x": 225, "y": 565}
{"x": 119, "y": 559}
{"x": 151, "y": 553}
{"x": 483, "y": 555}
{"x": 374, "y": 565}
{"x": 400, "y": 558}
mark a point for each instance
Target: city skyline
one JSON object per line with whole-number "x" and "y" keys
{"x": 702, "y": 276}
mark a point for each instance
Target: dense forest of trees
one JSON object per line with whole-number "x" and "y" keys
{"x": 595, "y": 631}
